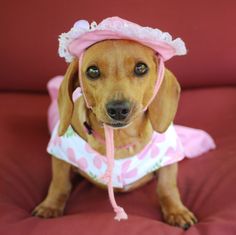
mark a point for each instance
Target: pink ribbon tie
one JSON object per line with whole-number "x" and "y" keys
{"x": 120, "y": 212}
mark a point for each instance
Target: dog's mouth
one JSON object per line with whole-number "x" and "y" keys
{"x": 117, "y": 125}
{"x": 121, "y": 124}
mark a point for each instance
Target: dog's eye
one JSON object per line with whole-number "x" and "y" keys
{"x": 140, "y": 69}
{"x": 93, "y": 72}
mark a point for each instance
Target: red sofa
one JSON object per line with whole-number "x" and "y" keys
{"x": 208, "y": 78}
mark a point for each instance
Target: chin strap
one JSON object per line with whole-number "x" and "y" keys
{"x": 120, "y": 213}
{"x": 160, "y": 77}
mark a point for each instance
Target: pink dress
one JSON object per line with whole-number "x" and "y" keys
{"x": 163, "y": 149}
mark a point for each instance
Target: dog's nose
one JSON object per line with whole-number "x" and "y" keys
{"x": 118, "y": 109}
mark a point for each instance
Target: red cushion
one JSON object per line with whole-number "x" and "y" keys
{"x": 30, "y": 31}
{"x": 207, "y": 183}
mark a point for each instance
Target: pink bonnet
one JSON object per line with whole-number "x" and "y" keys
{"x": 82, "y": 35}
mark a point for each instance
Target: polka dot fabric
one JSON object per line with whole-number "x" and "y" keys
{"x": 163, "y": 149}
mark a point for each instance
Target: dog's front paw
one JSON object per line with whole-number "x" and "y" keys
{"x": 45, "y": 211}
{"x": 180, "y": 217}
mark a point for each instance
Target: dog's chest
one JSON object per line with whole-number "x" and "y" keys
{"x": 127, "y": 143}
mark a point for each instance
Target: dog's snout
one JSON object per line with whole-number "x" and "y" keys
{"x": 118, "y": 109}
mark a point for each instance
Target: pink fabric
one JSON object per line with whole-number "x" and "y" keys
{"x": 90, "y": 38}
{"x": 53, "y": 88}
{"x": 80, "y": 79}
{"x": 161, "y": 150}
{"x": 160, "y": 77}
{"x": 195, "y": 141}
{"x": 84, "y": 35}
{"x": 120, "y": 213}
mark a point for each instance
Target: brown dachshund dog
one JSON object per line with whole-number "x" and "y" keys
{"x": 126, "y": 71}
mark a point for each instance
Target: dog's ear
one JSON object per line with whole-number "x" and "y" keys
{"x": 163, "y": 108}
{"x": 65, "y": 102}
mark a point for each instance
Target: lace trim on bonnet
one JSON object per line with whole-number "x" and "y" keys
{"x": 115, "y": 24}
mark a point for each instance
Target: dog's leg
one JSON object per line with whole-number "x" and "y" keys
{"x": 174, "y": 212}
{"x": 53, "y": 205}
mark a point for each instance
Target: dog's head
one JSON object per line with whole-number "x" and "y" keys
{"x": 118, "y": 79}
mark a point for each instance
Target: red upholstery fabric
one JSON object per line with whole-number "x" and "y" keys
{"x": 29, "y": 59}
{"x": 30, "y": 30}
{"x": 207, "y": 183}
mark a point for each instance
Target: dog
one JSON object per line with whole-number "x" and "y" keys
{"x": 118, "y": 76}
